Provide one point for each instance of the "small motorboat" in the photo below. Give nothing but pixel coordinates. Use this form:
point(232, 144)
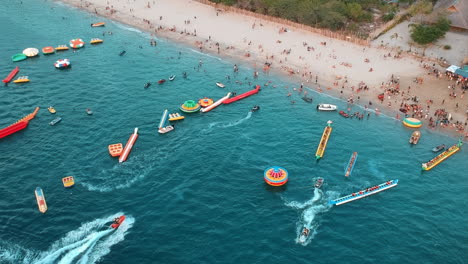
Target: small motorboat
point(55, 121)
point(48, 50)
point(414, 139)
point(96, 41)
point(122, 53)
point(255, 108)
point(61, 48)
point(117, 222)
point(304, 235)
point(220, 85)
point(172, 77)
point(68, 181)
point(344, 114)
point(326, 107)
point(98, 24)
point(148, 84)
point(438, 148)
point(51, 110)
point(318, 183)
point(40, 198)
point(164, 130)
point(22, 79)
point(18, 57)
point(88, 111)
point(162, 81)
point(307, 99)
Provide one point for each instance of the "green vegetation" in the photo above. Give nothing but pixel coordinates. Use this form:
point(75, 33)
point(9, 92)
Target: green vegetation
point(447, 47)
point(427, 33)
point(331, 14)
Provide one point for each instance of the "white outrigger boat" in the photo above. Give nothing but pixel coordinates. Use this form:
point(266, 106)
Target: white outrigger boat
point(326, 107)
point(162, 128)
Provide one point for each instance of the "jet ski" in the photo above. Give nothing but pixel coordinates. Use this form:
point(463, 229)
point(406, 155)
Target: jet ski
point(148, 84)
point(118, 221)
point(171, 78)
point(88, 111)
point(318, 183)
point(304, 235)
point(438, 148)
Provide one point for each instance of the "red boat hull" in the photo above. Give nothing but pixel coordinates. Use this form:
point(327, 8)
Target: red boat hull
point(13, 128)
point(242, 96)
point(116, 225)
point(11, 75)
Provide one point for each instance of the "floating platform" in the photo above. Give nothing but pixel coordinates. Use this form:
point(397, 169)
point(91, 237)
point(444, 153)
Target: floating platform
point(276, 176)
point(115, 149)
point(68, 181)
point(190, 106)
point(175, 117)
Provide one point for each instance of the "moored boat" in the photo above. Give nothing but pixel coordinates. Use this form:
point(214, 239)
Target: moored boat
point(96, 41)
point(323, 141)
point(220, 85)
point(55, 121)
point(438, 148)
point(98, 24)
point(11, 75)
point(326, 107)
point(118, 221)
point(18, 57)
point(365, 192)
point(163, 128)
point(414, 139)
point(351, 162)
point(22, 79)
point(48, 50)
point(318, 183)
point(51, 110)
point(175, 117)
point(40, 198)
point(442, 156)
point(68, 181)
point(343, 114)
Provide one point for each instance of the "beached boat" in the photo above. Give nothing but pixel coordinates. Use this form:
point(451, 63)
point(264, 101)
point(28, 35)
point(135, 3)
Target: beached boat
point(18, 57)
point(61, 48)
point(442, 156)
point(220, 85)
point(438, 148)
point(242, 96)
point(323, 141)
point(68, 181)
point(128, 147)
point(22, 79)
point(343, 114)
point(51, 110)
point(304, 235)
point(40, 198)
point(55, 121)
point(216, 104)
point(118, 221)
point(365, 192)
point(11, 75)
point(18, 125)
point(414, 139)
point(76, 43)
point(307, 99)
point(351, 162)
point(96, 41)
point(163, 128)
point(172, 77)
point(318, 183)
point(326, 107)
point(175, 117)
point(98, 24)
point(48, 50)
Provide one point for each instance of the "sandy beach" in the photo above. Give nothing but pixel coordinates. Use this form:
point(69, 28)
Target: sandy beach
point(352, 72)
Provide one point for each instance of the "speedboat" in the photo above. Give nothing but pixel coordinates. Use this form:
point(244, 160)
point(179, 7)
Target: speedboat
point(326, 107)
point(304, 235)
point(220, 85)
point(438, 148)
point(344, 114)
point(255, 108)
point(52, 110)
point(148, 84)
point(55, 121)
point(122, 53)
point(318, 183)
point(414, 139)
point(117, 222)
point(172, 77)
point(98, 24)
point(162, 81)
point(307, 99)
point(88, 111)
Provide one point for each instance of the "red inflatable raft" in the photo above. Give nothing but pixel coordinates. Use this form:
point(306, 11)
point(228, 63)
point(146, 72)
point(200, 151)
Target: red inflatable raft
point(11, 75)
point(118, 221)
point(18, 125)
point(242, 96)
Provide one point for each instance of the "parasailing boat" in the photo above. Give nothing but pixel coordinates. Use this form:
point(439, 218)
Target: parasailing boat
point(163, 128)
point(350, 167)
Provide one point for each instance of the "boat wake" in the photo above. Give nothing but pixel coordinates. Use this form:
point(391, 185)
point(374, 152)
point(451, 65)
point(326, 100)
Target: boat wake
point(317, 205)
point(229, 124)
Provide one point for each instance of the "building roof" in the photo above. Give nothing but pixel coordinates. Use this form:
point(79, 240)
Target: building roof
point(458, 12)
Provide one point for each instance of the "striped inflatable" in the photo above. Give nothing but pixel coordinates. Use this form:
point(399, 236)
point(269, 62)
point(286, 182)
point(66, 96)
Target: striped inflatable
point(76, 43)
point(412, 122)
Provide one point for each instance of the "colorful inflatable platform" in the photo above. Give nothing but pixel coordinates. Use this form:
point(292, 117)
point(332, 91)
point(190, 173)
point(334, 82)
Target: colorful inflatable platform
point(323, 142)
point(276, 176)
point(442, 156)
point(412, 122)
point(190, 106)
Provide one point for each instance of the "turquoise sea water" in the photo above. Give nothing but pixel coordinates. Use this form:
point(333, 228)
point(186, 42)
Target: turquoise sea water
point(197, 195)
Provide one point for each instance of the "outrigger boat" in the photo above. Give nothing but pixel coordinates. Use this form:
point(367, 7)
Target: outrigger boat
point(442, 156)
point(175, 117)
point(304, 235)
point(318, 183)
point(323, 142)
point(40, 198)
point(364, 193)
point(350, 167)
point(162, 128)
point(414, 139)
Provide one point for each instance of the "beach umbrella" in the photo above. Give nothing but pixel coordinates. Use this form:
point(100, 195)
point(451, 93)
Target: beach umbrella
point(31, 52)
